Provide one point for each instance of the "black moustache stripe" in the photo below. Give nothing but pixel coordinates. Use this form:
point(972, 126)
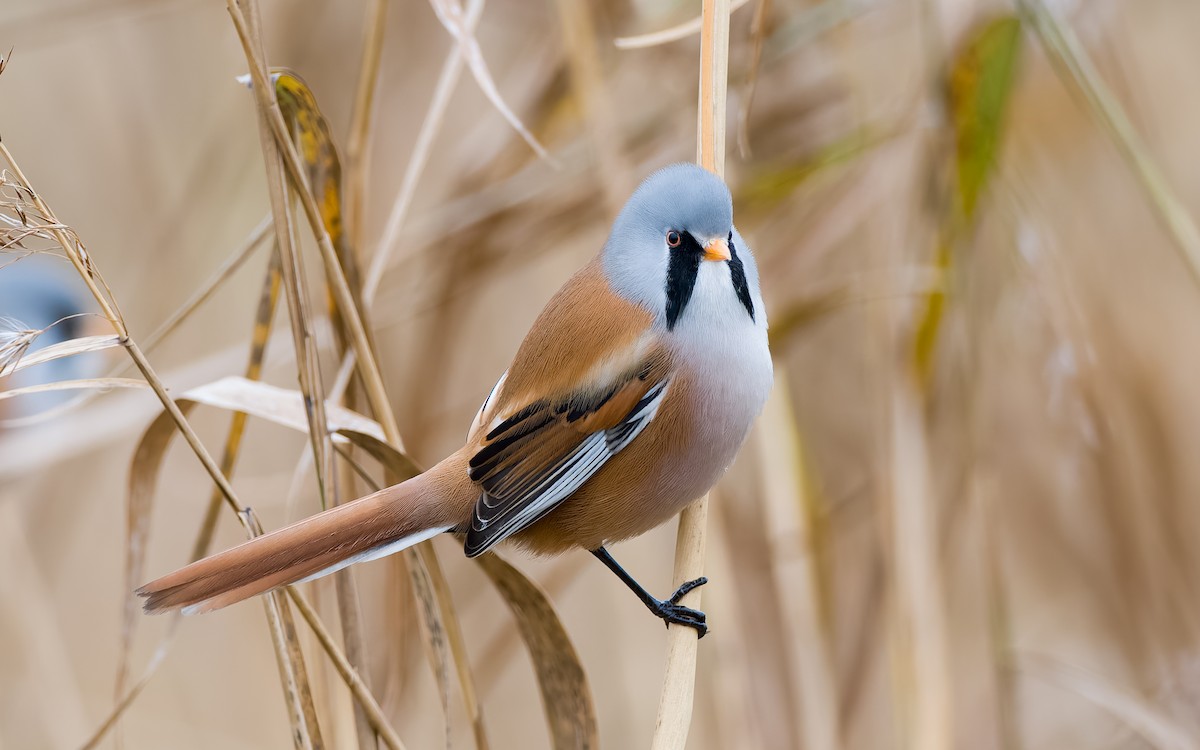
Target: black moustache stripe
point(738, 273)
point(682, 268)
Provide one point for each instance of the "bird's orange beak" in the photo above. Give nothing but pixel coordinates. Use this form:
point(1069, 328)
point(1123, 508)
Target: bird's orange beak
point(718, 249)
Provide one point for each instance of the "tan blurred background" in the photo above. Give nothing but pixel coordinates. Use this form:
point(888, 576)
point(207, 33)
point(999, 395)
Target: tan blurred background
point(1000, 555)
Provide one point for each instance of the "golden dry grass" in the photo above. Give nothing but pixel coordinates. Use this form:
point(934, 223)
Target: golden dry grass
point(964, 521)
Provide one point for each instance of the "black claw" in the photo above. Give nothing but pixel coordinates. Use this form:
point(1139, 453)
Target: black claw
point(685, 588)
point(670, 612)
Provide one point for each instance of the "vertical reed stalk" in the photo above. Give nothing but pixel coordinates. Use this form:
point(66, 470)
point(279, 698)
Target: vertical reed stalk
point(679, 682)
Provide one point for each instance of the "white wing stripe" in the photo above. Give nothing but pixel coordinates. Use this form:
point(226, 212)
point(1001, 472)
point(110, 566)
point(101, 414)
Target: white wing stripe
point(555, 483)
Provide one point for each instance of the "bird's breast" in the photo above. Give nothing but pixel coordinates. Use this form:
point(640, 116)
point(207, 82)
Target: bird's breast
point(718, 385)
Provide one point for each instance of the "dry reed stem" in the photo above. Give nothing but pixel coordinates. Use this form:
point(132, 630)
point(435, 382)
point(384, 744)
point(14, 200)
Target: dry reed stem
point(306, 732)
point(679, 681)
point(671, 34)
point(368, 366)
point(351, 677)
point(1073, 63)
point(276, 145)
point(303, 337)
point(294, 282)
point(923, 657)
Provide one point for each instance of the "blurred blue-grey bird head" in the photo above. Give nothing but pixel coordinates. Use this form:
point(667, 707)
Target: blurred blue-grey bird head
point(42, 292)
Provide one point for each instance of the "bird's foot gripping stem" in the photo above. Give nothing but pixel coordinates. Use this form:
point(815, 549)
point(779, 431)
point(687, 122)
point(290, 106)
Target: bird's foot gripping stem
point(671, 611)
point(668, 610)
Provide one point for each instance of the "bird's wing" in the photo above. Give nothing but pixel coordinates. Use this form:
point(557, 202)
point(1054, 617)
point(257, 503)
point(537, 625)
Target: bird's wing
point(535, 459)
point(587, 380)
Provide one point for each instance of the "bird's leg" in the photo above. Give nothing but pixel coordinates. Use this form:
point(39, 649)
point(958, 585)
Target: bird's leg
point(670, 610)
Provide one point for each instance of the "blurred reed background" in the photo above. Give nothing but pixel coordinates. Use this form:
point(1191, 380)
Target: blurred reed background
point(965, 519)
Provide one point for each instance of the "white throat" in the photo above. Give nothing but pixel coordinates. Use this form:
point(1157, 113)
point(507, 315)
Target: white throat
point(716, 339)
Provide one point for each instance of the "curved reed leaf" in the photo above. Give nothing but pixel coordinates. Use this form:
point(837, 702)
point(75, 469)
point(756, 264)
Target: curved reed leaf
point(139, 502)
point(570, 711)
point(566, 696)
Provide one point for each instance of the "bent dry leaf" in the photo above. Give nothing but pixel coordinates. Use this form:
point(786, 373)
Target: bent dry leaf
point(312, 135)
point(236, 394)
point(566, 695)
point(282, 406)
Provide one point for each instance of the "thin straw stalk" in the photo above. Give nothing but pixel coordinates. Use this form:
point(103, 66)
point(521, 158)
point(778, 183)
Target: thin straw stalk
point(295, 286)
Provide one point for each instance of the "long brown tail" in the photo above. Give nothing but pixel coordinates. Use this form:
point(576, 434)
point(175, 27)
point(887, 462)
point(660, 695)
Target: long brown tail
point(370, 527)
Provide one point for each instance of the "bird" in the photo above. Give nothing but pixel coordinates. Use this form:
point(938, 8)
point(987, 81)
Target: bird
point(627, 400)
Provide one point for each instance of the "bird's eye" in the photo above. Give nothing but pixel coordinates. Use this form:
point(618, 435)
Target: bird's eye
point(673, 239)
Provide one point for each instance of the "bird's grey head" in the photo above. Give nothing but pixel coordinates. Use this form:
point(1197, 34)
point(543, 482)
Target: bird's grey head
point(679, 217)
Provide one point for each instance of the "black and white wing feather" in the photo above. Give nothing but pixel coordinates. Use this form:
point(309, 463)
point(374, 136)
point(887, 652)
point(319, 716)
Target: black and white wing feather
point(535, 459)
